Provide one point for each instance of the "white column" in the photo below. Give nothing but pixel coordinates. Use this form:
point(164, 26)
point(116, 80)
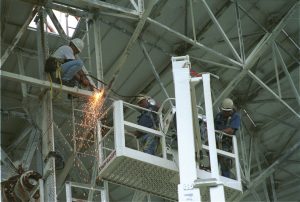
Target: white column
point(217, 192)
point(185, 135)
point(119, 131)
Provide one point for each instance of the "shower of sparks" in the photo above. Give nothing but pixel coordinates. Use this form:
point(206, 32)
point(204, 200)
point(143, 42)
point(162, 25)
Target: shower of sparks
point(92, 110)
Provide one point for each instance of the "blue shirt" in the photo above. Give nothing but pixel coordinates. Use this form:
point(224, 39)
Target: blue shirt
point(233, 121)
point(148, 119)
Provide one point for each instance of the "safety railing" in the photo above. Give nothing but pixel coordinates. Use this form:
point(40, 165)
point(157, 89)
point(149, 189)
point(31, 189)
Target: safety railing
point(123, 129)
point(80, 192)
point(228, 152)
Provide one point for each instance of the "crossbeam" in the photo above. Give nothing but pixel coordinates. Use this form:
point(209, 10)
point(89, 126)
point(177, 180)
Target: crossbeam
point(42, 83)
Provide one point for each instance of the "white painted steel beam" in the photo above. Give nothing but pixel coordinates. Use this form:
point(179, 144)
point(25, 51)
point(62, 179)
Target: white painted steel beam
point(119, 130)
point(103, 4)
point(197, 44)
point(217, 192)
point(287, 74)
point(18, 36)
point(185, 134)
point(155, 72)
point(270, 170)
point(105, 192)
point(226, 39)
point(260, 48)
point(122, 59)
point(46, 118)
point(274, 58)
point(261, 83)
point(42, 83)
point(22, 72)
point(98, 50)
point(57, 24)
point(240, 31)
point(31, 147)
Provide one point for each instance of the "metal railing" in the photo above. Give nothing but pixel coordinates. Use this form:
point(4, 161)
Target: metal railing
point(231, 153)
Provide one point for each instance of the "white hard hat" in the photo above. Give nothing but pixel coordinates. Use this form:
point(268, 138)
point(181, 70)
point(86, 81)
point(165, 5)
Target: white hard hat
point(227, 104)
point(78, 43)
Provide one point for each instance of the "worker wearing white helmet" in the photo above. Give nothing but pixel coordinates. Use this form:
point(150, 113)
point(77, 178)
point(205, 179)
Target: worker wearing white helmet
point(227, 121)
point(71, 67)
point(148, 142)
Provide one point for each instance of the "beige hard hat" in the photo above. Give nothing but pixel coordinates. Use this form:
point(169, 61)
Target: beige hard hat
point(78, 43)
point(227, 104)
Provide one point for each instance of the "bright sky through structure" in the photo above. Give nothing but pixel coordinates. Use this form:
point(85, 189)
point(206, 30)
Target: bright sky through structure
point(68, 23)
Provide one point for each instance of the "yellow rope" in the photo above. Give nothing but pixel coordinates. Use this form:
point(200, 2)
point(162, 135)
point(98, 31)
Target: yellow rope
point(58, 75)
point(50, 79)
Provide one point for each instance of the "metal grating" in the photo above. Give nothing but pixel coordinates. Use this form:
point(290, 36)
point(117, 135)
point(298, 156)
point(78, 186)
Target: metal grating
point(149, 178)
point(142, 176)
point(228, 193)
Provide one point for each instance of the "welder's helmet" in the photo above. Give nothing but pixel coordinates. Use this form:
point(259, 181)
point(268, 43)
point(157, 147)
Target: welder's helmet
point(227, 104)
point(142, 97)
point(78, 43)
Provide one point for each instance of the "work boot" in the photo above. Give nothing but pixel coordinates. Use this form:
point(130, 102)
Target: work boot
point(70, 83)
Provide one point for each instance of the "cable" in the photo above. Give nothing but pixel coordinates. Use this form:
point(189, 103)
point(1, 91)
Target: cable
point(125, 96)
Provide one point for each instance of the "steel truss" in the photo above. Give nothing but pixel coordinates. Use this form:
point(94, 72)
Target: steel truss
point(241, 64)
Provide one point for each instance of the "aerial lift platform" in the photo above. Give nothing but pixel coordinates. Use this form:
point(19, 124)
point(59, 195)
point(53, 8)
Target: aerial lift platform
point(173, 174)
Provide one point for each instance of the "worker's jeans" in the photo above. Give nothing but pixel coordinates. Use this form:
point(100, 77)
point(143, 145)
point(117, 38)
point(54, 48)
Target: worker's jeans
point(148, 143)
point(69, 69)
point(225, 162)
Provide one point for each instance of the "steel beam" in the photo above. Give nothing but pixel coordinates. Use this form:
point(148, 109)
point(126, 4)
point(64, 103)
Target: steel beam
point(98, 50)
point(240, 31)
point(22, 72)
point(195, 43)
point(214, 19)
point(290, 38)
point(31, 147)
point(185, 134)
point(18, 36)
point(260, 48)
point(216, 63)
point(287, 74)
point(154, 71)
point(57, 24)
point(103, 4)
point(21, 137)
point(7, 162)
point(46, 118)
point(270, 170)
point(260, 169)
point(42, 83)
point(253, 76)
point(122, 59)
point(276, 69)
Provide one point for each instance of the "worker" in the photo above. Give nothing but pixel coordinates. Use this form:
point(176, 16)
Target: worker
point(65, 57)
point(148, 142)
point(227, 121)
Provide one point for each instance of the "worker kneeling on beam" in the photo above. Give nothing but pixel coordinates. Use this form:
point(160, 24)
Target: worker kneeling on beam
point(148, 142)
point(227, 121)
point(67, 68)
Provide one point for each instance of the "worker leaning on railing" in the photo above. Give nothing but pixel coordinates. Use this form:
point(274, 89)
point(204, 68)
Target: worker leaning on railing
point(227, 121)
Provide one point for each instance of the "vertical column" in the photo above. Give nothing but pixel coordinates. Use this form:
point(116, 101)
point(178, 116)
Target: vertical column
point(119, 132)
point(68, 192)
point(185, 135)
point(104, 192)
point(98, 51)
point(45, 118)
point(217, 192)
